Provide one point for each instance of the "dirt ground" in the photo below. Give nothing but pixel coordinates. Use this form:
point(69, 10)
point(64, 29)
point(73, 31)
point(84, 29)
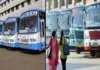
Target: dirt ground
point(21, 60)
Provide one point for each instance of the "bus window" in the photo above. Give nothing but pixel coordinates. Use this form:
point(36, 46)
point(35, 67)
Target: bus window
point(28, 25)
point(0, 28)
point(10, 27)
point(42, 29)
point(32, 22)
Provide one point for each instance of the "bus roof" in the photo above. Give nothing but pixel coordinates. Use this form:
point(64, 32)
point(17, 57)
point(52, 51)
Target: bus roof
point(35, 9)
point(79, 6)
point(93, 4)
point(12, 17)
point(67, 9)
point(54, 11)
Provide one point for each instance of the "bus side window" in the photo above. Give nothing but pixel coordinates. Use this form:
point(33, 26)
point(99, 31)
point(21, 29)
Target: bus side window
point(42, 29)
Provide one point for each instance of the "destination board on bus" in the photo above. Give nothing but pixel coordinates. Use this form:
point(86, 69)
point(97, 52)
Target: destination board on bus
point(29, 13)
point(10, 20)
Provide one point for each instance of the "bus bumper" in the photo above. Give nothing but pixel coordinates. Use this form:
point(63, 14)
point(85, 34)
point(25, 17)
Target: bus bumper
point(37, 46)
point(1, 43)
point(88, 48)
point(12, 45)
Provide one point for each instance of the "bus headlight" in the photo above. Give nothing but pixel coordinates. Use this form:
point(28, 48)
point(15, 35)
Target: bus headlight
point(18, 39)
point(11, 40)
point(89, 43)
point(73, 41)
point(33, 40)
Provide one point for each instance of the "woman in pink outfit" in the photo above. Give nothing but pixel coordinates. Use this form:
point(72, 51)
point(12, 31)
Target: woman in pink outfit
point(53, 43)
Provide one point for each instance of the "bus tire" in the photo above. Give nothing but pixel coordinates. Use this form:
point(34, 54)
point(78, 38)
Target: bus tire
point(78, 51)
point(92, 53)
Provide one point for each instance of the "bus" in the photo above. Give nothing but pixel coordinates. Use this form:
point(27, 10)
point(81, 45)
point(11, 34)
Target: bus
point(31, 33)
point(52, 21)
point(92, 29)
point(77, 28)
point(10, 32)
point(1, 32)
point(64, 22)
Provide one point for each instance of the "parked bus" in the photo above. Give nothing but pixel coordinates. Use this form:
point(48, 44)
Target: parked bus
point(77, 28)
point(64, 22)
point(92, 29)
point(31, 33)
point(52, 21)
point(1, 32)
point(10, 32)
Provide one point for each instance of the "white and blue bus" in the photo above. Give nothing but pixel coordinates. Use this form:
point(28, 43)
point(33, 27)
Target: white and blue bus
point(1, 32)
point(65, 22)
point(31, 33)
point(10, 32)
point(77, 28)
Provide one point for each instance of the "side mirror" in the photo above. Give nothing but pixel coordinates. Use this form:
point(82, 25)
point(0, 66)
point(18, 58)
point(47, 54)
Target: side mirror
point(18, 20)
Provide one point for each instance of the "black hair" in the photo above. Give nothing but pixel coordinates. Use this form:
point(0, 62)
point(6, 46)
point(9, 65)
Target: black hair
point(54, 33)
point(61, 37)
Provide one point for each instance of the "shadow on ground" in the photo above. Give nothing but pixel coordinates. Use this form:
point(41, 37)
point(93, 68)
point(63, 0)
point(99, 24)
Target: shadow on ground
point(31, 52)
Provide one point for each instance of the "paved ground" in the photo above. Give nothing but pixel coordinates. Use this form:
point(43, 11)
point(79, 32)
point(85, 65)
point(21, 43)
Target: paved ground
point(81, 61)
point(21, 60)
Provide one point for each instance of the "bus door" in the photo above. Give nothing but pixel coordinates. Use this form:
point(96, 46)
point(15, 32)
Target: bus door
point(42, 28)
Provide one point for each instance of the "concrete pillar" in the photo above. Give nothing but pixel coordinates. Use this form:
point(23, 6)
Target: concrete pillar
point(58, 3)
point(55, 3)
point(49, 4)
point(52, 4)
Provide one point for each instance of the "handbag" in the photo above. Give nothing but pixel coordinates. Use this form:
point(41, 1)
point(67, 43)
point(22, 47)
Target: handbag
point(49, 52)
point(66, 49)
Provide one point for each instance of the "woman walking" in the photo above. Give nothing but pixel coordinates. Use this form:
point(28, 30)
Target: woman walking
point(62, 56)
point(53, 43)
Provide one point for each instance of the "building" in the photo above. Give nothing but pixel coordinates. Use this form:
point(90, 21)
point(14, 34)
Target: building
point(16, 7)
point(53, 4)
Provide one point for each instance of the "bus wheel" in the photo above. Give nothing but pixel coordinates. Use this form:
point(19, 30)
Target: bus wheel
point(78, 51)
point(92, 53)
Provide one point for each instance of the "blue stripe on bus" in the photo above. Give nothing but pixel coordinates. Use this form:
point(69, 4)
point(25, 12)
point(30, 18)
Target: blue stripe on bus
point(13, 45)
point(37, 46)
point(1, 43)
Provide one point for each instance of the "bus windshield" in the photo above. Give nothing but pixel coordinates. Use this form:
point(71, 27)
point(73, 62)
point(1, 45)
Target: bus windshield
point(64, 20)
point(28, 24)
point(53, 21)
point(66, 33)
point(48, 35)
point(0, 29)
point(9, 28)
point(47, 20)
point(79, 34)
point(48, 32)
point(77, 17)
point(93, 16)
